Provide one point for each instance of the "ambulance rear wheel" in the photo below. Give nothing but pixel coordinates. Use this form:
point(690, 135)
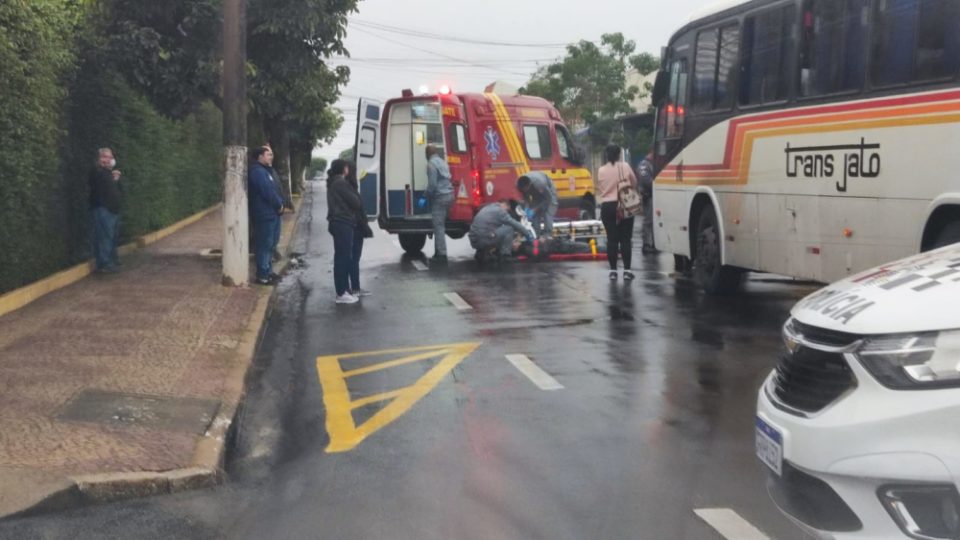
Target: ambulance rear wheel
point(709, 272)
point(413, 243)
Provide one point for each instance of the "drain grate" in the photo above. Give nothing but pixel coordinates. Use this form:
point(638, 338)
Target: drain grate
point(189, 415)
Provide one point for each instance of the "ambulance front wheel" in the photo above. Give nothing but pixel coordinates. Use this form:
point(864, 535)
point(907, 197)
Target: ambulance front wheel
point(413, 243)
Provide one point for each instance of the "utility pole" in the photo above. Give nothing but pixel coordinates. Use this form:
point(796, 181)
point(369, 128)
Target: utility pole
point(236, 258)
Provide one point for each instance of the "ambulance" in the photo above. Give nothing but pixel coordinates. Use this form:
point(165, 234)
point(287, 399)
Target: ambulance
point(489, 141)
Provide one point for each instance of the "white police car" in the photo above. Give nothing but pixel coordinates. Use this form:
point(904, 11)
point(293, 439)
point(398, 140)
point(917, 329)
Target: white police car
point(859, 425)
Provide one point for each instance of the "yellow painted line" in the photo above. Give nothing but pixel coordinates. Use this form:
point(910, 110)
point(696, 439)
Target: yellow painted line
point(376, 398)
point(392, 363)
point(344, 433)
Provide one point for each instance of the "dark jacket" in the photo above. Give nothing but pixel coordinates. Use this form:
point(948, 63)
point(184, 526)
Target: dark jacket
point(104, 190)
point(645, 178)
point(344, 202)
point(265, 200)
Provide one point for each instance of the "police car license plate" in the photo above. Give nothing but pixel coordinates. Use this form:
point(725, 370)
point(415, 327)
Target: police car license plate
point(769, 446)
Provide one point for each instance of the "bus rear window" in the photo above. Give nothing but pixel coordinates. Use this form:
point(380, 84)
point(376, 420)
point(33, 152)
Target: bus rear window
point(915, 40)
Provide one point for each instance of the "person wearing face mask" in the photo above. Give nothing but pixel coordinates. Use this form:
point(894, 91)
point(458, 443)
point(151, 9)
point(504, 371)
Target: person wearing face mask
point(105, 191)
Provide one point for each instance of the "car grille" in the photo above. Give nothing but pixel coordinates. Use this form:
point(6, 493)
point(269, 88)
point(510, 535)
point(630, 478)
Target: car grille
point(808, 380)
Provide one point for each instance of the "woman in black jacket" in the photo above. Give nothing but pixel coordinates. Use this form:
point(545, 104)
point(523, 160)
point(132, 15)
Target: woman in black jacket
point(348, 225)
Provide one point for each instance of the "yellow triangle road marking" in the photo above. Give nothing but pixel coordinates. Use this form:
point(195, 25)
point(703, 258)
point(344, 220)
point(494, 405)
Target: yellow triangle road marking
point(344, 433)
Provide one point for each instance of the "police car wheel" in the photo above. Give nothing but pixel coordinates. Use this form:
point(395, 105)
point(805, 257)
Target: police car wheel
point(412, 243)
point(708, 270)
point(949, 234)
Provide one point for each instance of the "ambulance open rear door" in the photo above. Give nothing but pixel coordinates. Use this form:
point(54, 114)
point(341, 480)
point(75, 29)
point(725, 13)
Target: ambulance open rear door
point(366, 151)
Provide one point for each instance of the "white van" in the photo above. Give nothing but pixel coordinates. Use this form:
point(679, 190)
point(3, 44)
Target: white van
point(859, 425)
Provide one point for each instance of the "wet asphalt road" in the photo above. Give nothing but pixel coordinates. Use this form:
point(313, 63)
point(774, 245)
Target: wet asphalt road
point(654, 418)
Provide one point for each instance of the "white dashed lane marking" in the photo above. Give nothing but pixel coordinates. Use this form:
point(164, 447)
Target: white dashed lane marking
point(457, 301)
point(729, 524)
point(538, 376)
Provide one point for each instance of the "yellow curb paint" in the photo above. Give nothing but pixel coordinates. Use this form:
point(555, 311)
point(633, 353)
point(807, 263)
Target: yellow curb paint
point(17, 298)
point(344, 434)
point(156, 236)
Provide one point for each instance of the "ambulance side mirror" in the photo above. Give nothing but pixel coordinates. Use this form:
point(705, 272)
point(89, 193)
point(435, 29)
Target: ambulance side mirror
point(578, 155)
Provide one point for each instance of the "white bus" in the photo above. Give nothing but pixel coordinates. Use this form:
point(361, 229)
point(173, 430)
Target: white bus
point(808, 138)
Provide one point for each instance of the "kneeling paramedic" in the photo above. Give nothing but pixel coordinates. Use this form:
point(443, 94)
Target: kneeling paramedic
point(540, 196)
point(493, 227)
point(439, 194)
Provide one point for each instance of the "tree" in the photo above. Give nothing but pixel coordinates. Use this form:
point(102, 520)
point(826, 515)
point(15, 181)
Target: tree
point(588, 85)
point(317, 166)
point(170, 51)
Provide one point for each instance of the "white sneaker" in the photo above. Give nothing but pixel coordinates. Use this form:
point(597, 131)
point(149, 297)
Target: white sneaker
point(347, 298)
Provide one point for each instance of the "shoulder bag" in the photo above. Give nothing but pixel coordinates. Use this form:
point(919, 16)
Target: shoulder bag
point(629, 202)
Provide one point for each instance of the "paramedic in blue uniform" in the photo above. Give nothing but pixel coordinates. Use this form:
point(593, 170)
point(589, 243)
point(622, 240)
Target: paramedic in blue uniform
point(439, 194)
point(541, 198)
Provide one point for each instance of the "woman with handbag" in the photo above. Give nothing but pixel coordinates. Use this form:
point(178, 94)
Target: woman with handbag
point(619, 203)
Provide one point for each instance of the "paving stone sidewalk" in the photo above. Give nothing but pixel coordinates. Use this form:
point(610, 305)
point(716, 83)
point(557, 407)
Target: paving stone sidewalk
point(125, 374)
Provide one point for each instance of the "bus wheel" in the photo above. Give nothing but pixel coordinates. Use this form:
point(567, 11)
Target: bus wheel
point(708, 270)
point(412, 243)
point(949, 234)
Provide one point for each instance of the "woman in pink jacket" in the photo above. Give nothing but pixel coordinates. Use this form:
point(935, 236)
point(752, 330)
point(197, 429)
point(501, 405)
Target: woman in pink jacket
point(619, 229)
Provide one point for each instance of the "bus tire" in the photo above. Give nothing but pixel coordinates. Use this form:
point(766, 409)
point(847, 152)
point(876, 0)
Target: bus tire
point(709, 272)
point(949, 234)
point(412, 243)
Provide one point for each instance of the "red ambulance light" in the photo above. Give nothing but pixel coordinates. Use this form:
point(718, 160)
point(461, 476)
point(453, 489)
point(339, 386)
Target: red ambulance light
point(476, 176)
point(445, 90)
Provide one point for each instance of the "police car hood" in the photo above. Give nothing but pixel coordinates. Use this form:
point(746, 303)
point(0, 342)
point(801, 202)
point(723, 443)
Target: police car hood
point(919, 293)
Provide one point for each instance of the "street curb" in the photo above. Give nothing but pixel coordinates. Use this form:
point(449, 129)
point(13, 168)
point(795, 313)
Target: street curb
point(206, 469)
point(18, 298)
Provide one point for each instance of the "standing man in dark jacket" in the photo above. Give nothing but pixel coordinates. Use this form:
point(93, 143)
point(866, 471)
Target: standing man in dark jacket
point(104, 184)
point(266, 206)
point(645, 183)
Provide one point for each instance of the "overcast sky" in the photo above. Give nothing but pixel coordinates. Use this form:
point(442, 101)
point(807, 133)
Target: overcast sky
point(388, 52)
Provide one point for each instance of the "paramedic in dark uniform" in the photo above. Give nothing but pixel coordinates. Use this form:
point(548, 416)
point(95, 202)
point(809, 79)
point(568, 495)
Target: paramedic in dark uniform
point(493, 227)
point(645, 183)
point(540, 195)
point(439, 194)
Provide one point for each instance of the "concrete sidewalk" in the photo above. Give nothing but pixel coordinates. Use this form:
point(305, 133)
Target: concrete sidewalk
point(125, 385)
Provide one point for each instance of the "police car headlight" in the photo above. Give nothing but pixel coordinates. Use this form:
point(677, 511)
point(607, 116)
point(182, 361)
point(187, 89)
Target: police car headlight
point(913, 361)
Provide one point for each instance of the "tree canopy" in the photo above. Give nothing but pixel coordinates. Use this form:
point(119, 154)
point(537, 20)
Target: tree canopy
point(589, 84)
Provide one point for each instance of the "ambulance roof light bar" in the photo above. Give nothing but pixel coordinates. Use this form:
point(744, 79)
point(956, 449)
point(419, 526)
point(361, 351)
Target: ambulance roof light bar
point(445, 90)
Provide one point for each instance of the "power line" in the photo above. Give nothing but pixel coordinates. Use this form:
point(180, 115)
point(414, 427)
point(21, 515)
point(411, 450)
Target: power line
point(373, 34)
point(444, 37)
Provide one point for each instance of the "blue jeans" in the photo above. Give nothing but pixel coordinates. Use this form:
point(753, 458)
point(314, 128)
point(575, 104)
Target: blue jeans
point(265, 242)
point(347, 249)
point(543, 223)
point(105, 225)
point(439, 208)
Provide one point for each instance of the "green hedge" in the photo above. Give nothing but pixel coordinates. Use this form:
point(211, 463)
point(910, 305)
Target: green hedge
point(54, 114)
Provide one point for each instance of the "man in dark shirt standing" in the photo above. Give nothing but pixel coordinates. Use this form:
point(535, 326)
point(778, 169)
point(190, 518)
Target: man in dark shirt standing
point(104, 183)
point(266, 207)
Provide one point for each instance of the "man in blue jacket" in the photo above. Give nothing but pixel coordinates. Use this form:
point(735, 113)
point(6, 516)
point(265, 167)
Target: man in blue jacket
point(266, 206)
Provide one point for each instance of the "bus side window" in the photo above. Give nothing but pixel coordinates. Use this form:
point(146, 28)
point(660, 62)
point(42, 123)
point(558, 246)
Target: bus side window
point(718, 59)
point(915, 40)
point(768, 48)
point(834, 44)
